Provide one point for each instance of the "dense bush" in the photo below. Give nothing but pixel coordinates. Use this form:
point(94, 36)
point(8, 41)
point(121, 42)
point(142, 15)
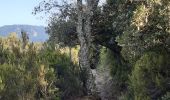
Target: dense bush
point(16, 84)
point(69, 74)
point(150, 76)
point(34, 71)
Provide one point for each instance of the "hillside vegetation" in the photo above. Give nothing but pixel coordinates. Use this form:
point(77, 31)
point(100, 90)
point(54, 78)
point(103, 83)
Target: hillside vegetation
point(116, 51)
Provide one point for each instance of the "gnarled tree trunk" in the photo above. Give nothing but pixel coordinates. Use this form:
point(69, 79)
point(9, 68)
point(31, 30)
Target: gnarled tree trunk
point(85, 13)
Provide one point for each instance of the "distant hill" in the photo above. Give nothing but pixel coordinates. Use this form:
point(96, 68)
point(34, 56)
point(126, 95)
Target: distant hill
point(35, 33)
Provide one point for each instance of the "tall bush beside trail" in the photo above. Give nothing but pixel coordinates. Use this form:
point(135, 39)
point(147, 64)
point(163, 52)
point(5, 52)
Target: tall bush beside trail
point(149, 79)
point(23, 75)
point(119, 70)
point(53, 57)
point(68, 74)
point(16, 84)
point(35, 72)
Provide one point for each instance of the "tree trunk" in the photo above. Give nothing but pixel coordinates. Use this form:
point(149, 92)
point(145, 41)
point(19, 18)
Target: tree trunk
point(84, 34)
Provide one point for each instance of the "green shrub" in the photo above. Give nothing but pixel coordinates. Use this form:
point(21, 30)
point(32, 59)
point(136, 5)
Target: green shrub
point(23, 73)
point(166, 96)
point(69, 79)
point(15, 83)
point(149, 76)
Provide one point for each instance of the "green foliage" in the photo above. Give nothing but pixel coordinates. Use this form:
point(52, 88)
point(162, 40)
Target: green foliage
point(148, 28)
point(150, 75)
point(70, 83)
point(166, 96)
point(23, 73)
point(62, 32)
point(145, 46)
point(16, 84)
point(54, 57)
point(118, 67)
point(69, 75)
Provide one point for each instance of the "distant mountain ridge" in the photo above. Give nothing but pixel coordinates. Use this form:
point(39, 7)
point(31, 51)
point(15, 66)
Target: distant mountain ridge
point(35, 33)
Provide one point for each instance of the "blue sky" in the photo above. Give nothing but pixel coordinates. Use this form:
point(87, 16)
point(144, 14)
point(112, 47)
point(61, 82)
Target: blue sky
point(19, 12)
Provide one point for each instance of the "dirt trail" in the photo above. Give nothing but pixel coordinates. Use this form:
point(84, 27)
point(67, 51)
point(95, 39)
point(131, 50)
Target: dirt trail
point(103, 83)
